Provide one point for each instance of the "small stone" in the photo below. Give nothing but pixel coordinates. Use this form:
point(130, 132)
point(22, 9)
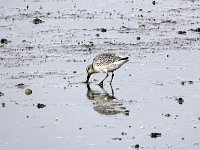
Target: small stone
point(138, 38)
point(37, 21)
point(196, 30)
point(167, 115)
point(123, 133)
point(4, 41)
point(40, 105)
point(199, 118)
point(28, 91)
point(182, 82)
point(182, 32)
point(56, 119)
point(1, 94)
point(103, 30)
point(155, 135)
point(74, 72)
point(154, 2)
point(3, 104)
point(180, 100)
point(21, 85)
point(137, 146)
point(190, 82)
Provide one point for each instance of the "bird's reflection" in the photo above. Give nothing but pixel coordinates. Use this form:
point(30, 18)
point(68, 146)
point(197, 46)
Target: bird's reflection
point(104, 102)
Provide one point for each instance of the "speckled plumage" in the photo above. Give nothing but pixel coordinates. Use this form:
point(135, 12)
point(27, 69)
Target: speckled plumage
point(106, 62)
point(105, 59)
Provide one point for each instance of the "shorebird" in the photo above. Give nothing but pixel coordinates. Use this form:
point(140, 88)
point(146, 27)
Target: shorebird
point(105, 63)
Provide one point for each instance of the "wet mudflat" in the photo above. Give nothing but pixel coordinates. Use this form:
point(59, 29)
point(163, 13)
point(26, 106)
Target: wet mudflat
point(153, 102)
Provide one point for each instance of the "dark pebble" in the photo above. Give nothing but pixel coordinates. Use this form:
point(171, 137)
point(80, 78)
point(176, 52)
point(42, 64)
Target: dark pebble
point(180, 100)
point(3, 104)
point(21, 85)
point(138, 38)
point(4, 41)
point(155, 135)
point(126, 112)
point(103, 30)
point(196, 30)
point(137, 146)
point(40, 105)
point(1, 94)
point(182, 32)
point(28, 91)
point(183, 83)
point(190, 82)
point(123, 133)
point(167, 115)
point(154, 2)
point(37, 21)
point(198, 118)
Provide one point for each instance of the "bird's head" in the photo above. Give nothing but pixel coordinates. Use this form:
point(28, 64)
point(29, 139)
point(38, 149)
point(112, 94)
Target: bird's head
point(90, 71)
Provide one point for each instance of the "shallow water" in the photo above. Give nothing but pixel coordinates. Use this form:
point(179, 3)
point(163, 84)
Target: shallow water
point(156, 91)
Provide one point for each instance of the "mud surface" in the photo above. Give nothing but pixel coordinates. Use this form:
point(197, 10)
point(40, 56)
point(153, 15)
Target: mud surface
point(153, 102)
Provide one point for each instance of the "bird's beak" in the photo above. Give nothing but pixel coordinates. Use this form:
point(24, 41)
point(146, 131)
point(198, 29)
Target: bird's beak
point(88, 77)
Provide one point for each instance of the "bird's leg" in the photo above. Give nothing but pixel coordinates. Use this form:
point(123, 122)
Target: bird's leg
point(112, 78)
point(112, 90)
point(101, 83)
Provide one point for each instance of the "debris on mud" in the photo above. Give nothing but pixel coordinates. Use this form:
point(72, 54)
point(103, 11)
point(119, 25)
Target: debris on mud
point(189, 82)
point(182, 32)
point(123, 133)
point(1, 94)
point(136, 146)
point(117, 139)
point(28, 91)
point(4, 41)
point(37, 21)
point(3, 104)
point(138, 38)
point(180, 100)
point(196, 30)
point(167, 115)
point(40, 105)
point(155, 135)
point(103, 30)
point(21, 85)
